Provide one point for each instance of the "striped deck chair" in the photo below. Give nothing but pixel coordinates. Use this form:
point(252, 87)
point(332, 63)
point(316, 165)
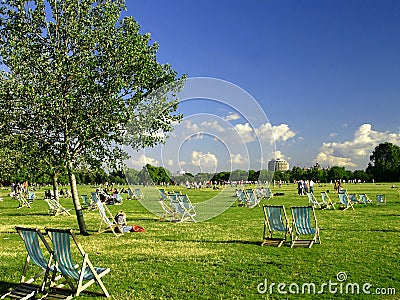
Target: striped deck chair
point(242, 198)
point(22, 201)
point(106, 218)
point(304, 224)
point(268, 192)
point(275, 221)
point(31, 196)
point(380, 199)
point(364, 199)
point(163, 195)
point(168, 209)
point(188, 207)
point(327, 201)
point(139, 194)
point(32, 238)
point(75, 275)
point(56, 209)
point(259, 193)
point(131, 195)
point(88, 204)
point(313, 201)
point(253, 201)
point(180, 213)
point(353, 198)
point(345, 201)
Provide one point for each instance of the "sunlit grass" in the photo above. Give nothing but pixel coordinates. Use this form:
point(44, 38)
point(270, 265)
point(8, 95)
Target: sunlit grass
point(222, 257)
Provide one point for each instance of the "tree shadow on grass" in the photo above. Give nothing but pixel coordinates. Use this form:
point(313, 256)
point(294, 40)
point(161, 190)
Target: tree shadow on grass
point(5, 287)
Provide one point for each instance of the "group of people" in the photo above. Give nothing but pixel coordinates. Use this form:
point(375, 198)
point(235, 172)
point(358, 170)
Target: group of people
point(305, 186)
point(109, 197)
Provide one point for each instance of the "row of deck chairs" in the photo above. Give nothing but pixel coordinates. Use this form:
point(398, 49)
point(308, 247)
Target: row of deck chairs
point(346, 200)
point(303, 231)
point(58, 262)
point(136, 194)
point(176, 207)
point(252, 197)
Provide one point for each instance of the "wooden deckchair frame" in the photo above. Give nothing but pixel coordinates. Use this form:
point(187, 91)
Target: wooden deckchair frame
point(302, 217)
point(275, 220)
point(63, 255)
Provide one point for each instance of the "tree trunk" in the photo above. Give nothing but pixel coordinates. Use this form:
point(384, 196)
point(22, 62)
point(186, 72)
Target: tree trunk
point(77, 203)
point(55, 186)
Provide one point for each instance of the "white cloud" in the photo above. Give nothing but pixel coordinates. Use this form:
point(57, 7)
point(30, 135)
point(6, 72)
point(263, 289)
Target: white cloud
point(191, 126)
point(246, 132)
point(213, 124)
point(232, 116)
point(355, 153)
point(207, 162)
point(170, 162)
point(282, 132)
point(279, 154)
point(142, 160)
point(238, 159)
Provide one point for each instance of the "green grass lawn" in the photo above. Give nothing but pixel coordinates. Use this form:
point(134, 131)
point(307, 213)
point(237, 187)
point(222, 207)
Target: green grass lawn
point(222, 258)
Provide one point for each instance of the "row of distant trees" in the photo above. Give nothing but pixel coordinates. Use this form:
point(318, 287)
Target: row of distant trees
point(384, 166)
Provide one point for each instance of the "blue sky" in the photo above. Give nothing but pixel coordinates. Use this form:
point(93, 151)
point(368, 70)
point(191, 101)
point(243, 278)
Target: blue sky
point(325, 73)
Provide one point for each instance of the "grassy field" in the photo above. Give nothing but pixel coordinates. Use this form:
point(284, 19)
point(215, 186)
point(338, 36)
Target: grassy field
point(222, 258)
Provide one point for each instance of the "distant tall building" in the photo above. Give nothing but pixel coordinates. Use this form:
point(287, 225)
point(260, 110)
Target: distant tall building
point(278, 164)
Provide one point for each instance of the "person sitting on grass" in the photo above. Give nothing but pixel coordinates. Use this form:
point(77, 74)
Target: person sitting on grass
point(120, 219)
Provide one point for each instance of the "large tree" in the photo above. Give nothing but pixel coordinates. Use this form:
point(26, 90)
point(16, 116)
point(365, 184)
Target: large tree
point(80, 81)
point(385, 163)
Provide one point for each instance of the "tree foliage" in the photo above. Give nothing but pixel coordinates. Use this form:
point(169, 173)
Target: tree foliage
point(385, 162)
point(80, 82)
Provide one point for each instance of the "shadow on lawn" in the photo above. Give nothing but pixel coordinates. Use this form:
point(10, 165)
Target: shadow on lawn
point(257, 243)
point(5, 287)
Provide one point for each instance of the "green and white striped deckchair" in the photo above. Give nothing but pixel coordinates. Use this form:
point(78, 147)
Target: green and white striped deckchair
point(314, 202)
point(79, 277)
point(56, 209)
point(326, 200)
point(364, 199)
point(380, 199)
point(188, 208)
point(253, 201)
point(32, 238)
point(139, 194)
point(304, 224)
point(106, 218)
point(353, 198)
point(275, 221)
point(22, 201)
point(345, 201)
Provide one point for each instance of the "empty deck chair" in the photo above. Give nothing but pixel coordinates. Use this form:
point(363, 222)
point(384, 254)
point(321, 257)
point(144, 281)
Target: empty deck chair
point(168, 212)
point(163, 195)
point(380, 199)
point(56, 209)
point(31, 196)
point(259, 193)
point(106, 218)
point(88, 204)
point(275, 221)
point(75, 275)
point(139, 194)
point(345, 201)
point(268, 192)
point(364, 199)
point(327, 201)
point(188, 207)
point(242, 198)
point(304, 224)
point(131, 195)
point(23, 202)
point(253, 201)
point(353, 198)
point(32, 238)
point(313, 201)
